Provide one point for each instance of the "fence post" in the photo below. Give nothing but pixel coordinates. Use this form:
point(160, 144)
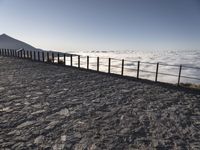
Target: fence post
point(58, 57)
point(109, 62)
point(97, 63)
point(8, 52)
point(71, 60)
point(21, 54)
point(122, 72)
point(43, 56)
point(179, 76)
point(48, 57)
point(24, 54)
point(34, 56)
point(31, 55)
point(88, 62)
point(78, 61)
point(64, 59)
point(138, 70)
point(53, 57)
point(38, 56)
point(156, 79)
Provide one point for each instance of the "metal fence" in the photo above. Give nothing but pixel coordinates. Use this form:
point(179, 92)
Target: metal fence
point(95, 64)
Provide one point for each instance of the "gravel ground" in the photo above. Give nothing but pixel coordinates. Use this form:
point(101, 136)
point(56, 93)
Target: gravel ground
point(44, 106)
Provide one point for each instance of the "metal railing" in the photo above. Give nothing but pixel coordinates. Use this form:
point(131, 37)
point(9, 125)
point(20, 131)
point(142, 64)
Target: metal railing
point(77, 61)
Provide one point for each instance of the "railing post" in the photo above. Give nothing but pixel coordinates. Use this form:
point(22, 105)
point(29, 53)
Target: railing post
point(38, 56)
point(109, 62)
point(34, 56)
point(48, 57)
point(31, 55)
point(179, 76)
point(43, 56)
point(58, 58)
point(24, 54)
point(88, 62)
point(122, 73)
point(156, 79)
point(53, 57)
point(8, 52)
point(21, 54)
point(97, 63)
point(71, 60)
point(0, 51)
point(138, 70)
point(27, 54)
point(79, 61)
point(64, 59)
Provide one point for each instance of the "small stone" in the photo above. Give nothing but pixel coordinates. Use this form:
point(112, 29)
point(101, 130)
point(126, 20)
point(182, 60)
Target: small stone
point(51, 125)
point(64, 112)
point(38, 112)
point(2, 89)
point(63, 138)
point(25, 124)
point(39, 139)
point(124, 131)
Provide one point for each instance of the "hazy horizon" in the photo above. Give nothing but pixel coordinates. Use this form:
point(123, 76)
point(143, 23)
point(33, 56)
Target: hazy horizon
point(103, 25)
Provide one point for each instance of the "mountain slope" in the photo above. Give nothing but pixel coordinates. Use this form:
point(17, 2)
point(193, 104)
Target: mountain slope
point(8, 42)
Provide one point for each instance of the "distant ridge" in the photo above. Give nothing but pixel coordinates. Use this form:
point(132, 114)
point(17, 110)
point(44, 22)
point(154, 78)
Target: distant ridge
point(8, 42)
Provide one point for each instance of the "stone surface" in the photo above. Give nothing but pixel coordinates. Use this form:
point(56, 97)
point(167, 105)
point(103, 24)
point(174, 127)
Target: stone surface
point(44, 106)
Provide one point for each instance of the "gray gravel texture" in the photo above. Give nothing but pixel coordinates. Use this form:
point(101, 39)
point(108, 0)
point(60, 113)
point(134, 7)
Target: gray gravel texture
point(45, 106)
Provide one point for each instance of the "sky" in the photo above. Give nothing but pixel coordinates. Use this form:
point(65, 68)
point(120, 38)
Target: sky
point(103, 24)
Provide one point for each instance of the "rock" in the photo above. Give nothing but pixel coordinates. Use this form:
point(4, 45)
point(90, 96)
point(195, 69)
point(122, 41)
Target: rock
point(64, 112)
point(25, 124)
point(124, 131)
point(37, 112)
point(39, 140)
point(63, 138)
point(2, 89)
point(51, 125)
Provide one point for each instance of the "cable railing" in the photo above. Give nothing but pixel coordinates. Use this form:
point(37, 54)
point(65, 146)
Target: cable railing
point(109, 65)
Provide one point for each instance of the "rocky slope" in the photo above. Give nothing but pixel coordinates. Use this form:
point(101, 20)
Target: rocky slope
point(44, 106)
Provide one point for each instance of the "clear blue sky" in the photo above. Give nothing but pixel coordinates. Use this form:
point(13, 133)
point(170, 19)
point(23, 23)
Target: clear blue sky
point(103, 24)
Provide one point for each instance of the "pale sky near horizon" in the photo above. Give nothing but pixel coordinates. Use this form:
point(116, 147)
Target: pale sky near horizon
point(103, 24)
